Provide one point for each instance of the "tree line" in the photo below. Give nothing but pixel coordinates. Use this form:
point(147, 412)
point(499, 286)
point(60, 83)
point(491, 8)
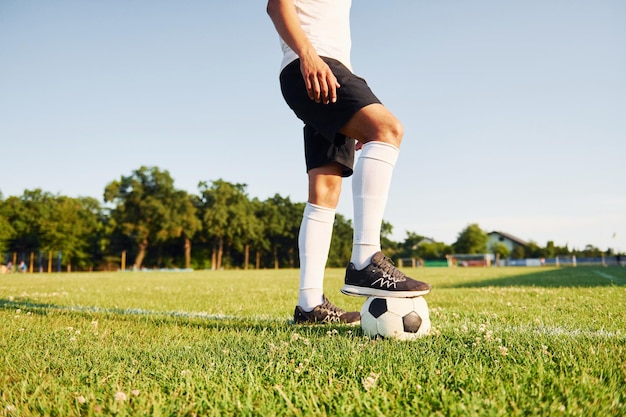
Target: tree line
point(146, 220)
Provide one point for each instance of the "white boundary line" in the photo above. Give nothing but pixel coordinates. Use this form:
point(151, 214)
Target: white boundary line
point(537, 330)
point(608, 276)
point(141, 312)
point(560, 331)
point(552, 331)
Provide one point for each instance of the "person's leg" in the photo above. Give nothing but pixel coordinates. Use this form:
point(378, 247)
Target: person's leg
point(370, 273)
point(381, 134)
point(316, 232)
point(314, 243)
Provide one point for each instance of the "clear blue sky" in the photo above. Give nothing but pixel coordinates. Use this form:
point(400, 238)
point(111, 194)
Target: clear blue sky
point(514, 111)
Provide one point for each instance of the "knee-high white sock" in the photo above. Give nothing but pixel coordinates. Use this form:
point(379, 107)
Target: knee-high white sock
point(370, 188)
point(314, 239)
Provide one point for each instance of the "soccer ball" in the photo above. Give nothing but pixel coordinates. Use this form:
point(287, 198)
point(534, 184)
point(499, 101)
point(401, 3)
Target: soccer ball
point(396, 318)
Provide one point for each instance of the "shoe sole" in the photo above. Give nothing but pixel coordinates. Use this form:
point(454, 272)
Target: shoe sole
point(373, 292)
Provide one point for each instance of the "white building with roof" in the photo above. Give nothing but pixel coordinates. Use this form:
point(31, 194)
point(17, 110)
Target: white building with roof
point(508, 240)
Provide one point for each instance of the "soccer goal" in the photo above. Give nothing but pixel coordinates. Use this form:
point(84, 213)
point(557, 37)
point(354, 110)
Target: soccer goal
point(561, 260)
point(474, 259)
point(408, 262)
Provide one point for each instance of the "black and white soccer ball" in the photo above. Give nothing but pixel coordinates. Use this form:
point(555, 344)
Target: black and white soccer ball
point(395, 318)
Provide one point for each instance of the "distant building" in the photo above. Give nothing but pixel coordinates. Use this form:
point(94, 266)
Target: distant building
point(510, 241)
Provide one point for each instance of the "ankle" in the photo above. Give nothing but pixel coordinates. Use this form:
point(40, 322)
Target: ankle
point(362, 255)
point(309, 298)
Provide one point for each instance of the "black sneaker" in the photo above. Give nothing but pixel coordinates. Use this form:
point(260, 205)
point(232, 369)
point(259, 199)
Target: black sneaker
point(382, 279)
point(326, 313)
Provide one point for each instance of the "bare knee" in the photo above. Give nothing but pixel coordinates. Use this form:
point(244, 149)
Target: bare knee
point(388, 131)
point(391, 132)
point(375, 123)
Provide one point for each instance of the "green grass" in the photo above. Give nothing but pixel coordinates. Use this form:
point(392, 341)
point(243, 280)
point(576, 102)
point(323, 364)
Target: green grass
point(506, 341)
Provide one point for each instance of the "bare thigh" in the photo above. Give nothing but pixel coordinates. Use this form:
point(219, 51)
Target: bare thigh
point(374, 123)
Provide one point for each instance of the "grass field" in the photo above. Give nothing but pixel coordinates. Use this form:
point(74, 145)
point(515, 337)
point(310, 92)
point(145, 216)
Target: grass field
point(505, 341)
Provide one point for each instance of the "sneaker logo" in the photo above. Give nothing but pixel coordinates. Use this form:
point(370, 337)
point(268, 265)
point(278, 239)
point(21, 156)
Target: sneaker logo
point(385, 281)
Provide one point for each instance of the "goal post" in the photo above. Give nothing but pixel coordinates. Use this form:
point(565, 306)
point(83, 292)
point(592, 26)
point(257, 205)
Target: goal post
point(561, 260)
point(473, 259)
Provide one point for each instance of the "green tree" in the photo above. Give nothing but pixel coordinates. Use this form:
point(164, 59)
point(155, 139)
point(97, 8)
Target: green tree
point(500, 250)
point(341, 243)
point(518, 252)
point(533, 250)
point(288, 242)
point(6, 234)
point(6, 230)
point(259, 239)
point(409, 247)
point(69, 226)
point(148, 209)
point(471, 240)
point(252, 230)
point(26, 214)
point(391, 248)
point(590, 251)
point(431, 251)
point(225, 213)
point(420, 247)
point(282, 220)
point(43, 222)
point(185, 221)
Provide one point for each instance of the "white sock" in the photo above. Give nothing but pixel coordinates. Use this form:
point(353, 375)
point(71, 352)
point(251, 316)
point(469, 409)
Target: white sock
point(314, 239)
point(370, 188)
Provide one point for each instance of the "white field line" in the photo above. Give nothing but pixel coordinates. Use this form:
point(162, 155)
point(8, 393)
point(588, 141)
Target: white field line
point(553, 331)
point(608, 276)
point(532, 330)
point(142, 312)
point(560, 331)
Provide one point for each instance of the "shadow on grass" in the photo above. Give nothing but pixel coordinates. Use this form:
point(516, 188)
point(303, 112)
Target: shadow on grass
point(553, 278)
point(179, 318)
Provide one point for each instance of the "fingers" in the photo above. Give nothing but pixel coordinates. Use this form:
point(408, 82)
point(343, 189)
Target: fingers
point(328, 89)
point(321, 83)
point(330, 95)
point(323, 90)
point(314, 88)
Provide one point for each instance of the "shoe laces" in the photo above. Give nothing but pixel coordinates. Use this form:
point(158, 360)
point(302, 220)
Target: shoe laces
point(389, 268)
point(330, 308)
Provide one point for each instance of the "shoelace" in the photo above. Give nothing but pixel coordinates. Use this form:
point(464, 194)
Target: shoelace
point(331, 308)
point(388, 267)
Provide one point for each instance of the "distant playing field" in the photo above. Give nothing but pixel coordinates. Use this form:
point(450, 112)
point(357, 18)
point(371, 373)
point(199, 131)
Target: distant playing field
point(506, 341)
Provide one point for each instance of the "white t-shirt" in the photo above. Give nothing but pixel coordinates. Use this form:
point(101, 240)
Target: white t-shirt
point(327, 25)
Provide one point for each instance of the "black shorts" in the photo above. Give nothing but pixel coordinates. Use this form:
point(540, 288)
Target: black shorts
point(323, 143)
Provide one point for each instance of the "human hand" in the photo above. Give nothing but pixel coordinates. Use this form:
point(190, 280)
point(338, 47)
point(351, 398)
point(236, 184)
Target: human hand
point(321, 83)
